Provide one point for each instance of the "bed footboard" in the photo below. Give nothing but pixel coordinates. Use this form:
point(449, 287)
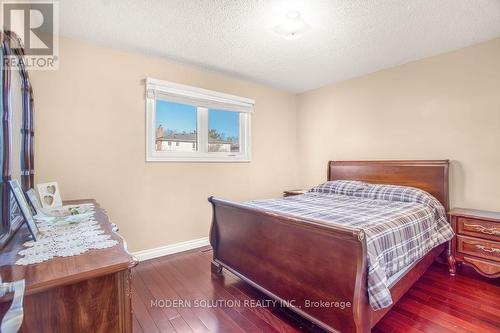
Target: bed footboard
point(317, 269)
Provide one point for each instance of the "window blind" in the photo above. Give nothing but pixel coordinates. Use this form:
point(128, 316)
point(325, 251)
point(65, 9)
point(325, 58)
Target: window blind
point(174, 92)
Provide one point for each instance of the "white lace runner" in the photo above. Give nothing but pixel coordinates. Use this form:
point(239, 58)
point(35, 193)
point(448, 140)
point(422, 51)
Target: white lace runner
point(64, 237)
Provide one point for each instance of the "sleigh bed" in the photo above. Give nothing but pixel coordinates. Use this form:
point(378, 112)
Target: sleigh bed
point(319, 269)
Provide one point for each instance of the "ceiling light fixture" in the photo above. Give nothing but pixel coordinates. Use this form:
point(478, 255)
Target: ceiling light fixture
point(293, 27)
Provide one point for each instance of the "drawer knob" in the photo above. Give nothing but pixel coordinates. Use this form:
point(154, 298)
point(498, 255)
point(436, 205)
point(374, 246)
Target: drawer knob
point(483, 230)
point(488, 249)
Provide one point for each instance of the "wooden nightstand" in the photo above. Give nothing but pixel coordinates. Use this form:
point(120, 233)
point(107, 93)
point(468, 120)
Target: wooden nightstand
point(477, 241)
point(290, 193)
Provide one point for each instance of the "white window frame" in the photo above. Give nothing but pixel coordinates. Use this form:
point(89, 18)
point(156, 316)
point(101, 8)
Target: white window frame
point(203, 99)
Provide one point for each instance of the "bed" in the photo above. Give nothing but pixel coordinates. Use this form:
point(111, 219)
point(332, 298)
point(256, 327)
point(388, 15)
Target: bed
point(322, 270)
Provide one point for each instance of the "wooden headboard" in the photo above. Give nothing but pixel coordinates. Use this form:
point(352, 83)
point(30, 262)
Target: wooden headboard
point(430, 175)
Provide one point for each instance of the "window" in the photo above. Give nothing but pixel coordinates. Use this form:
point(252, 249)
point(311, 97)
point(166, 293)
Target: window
point(191, 124)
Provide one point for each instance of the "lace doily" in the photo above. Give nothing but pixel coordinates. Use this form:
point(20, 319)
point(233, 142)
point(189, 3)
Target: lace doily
point(65, 236)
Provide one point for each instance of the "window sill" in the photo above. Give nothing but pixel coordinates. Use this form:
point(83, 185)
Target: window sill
point(198, 161)
point(201, 159)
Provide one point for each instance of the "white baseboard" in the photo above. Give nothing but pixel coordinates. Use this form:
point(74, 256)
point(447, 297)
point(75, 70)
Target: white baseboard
point(171, 249)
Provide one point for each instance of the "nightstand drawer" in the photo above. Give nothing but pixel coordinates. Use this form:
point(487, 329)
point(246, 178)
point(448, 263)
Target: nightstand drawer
point(485, 266)
point(478, 228)
point(480, 248)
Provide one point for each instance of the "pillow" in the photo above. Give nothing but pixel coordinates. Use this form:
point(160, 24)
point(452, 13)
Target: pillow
point(401, 193)
point(381, 192)
point(346, 187)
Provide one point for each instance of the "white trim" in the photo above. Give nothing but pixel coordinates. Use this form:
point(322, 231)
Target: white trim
point(154, 86)
point(199, 159)
point(170, 249)
point(202, 134)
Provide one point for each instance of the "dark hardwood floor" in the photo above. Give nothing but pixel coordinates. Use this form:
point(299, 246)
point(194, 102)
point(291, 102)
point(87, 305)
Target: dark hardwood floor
point(436, 303)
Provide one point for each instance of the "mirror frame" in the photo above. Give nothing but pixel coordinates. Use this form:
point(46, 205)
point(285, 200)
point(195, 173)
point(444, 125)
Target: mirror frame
point(12, 47)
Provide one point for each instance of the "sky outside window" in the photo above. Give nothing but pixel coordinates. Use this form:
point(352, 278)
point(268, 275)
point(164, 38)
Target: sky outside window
point(226, 123)
point(176, 117)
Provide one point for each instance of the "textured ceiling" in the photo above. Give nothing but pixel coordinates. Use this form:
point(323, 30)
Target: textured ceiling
point(348, 38)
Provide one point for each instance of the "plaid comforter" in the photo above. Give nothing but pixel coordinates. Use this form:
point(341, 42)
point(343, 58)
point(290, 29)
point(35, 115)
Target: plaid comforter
point(402, 224)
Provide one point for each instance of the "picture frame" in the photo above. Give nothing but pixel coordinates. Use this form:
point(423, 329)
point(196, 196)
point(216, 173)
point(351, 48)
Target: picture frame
point(35, 203)
point(25, 209)
point(49, 194)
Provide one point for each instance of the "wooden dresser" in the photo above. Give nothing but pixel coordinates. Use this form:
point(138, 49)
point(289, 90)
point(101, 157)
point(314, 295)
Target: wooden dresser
point(90, 292)
point(477, 241)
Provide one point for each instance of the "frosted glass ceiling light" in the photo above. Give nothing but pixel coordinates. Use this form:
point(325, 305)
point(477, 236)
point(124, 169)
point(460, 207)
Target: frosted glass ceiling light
point(293, 27)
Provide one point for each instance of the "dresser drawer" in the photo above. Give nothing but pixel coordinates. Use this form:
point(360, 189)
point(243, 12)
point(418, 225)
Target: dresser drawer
point(478, 228)
point(486, 249)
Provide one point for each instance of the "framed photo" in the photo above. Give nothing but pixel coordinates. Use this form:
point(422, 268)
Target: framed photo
point(49, 194)
point(25, 209)
point(36, 205)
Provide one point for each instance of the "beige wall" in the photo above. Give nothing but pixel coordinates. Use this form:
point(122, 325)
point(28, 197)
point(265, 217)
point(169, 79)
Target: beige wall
point(90, 123)
point(442, 107)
